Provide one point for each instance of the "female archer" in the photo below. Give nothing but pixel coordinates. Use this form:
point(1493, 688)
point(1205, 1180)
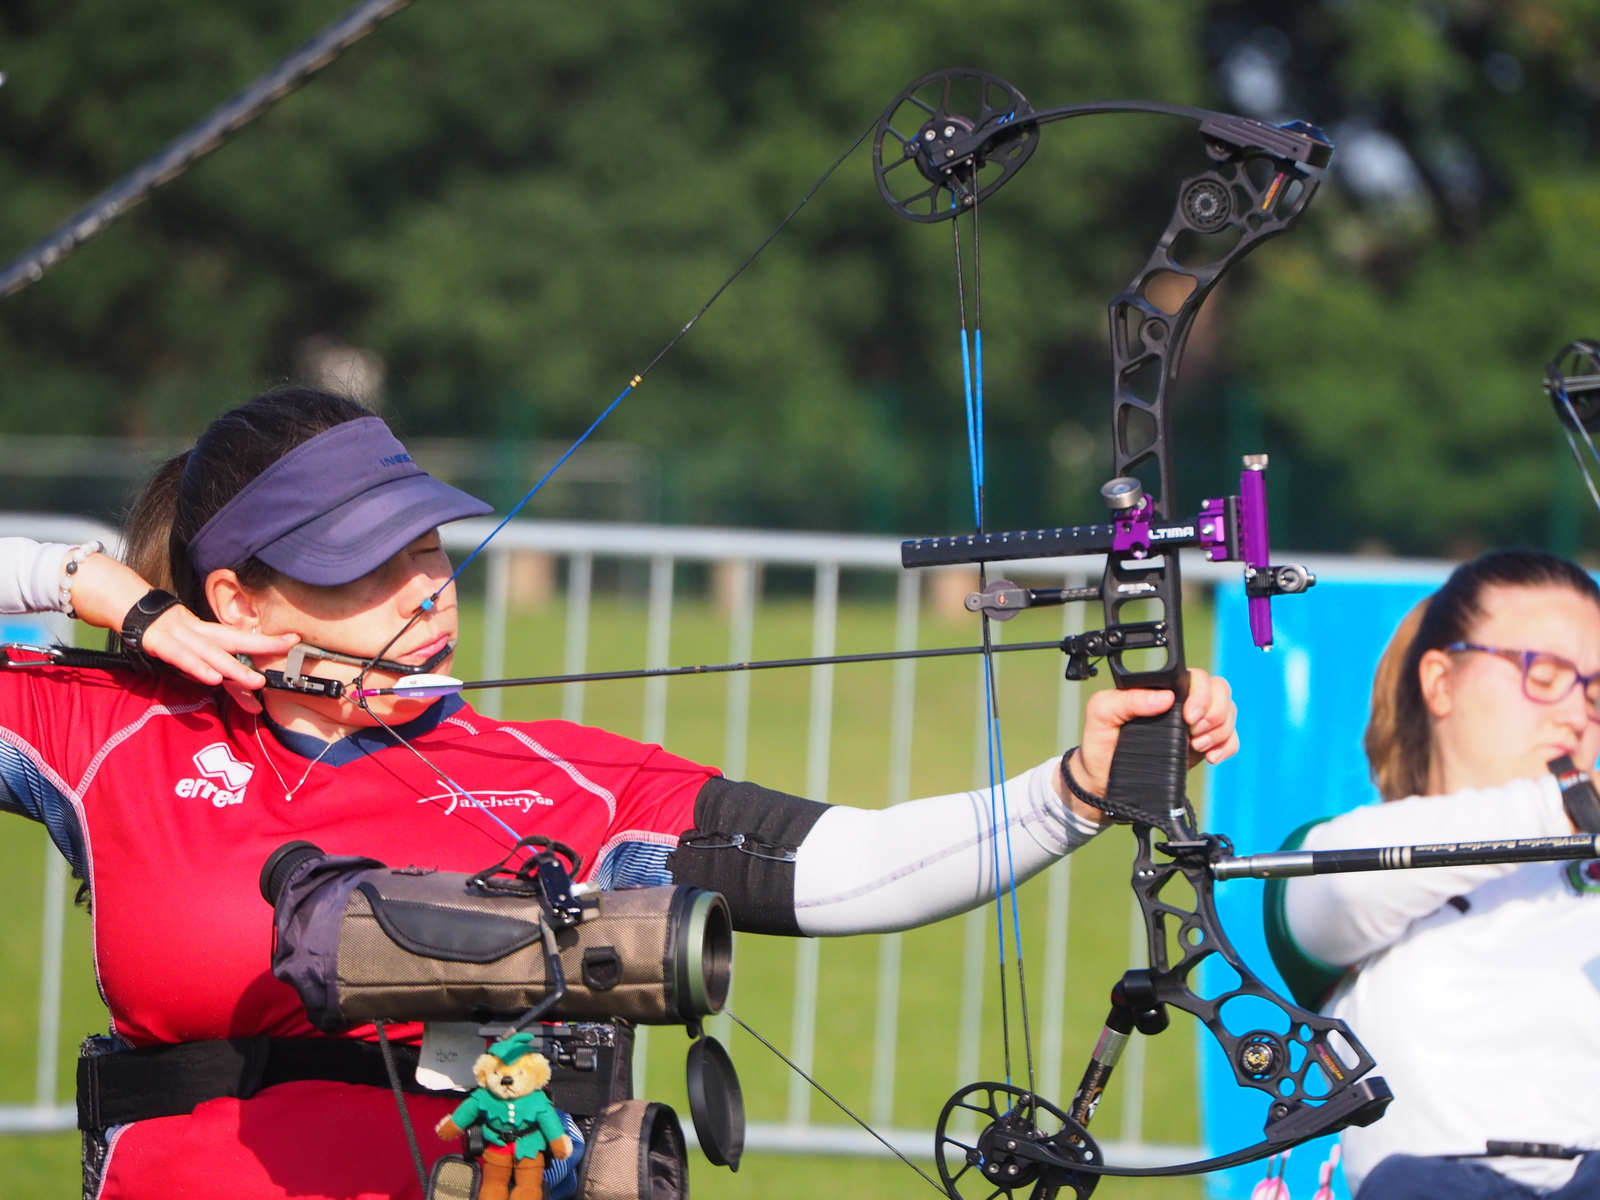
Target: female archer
point(298, 522)
point(1477, 988)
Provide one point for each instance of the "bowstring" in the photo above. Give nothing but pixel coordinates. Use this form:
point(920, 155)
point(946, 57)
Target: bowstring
point(466, 796)
point(999, 807)
point(428, 604)
point(670, 345)
point(997, 764)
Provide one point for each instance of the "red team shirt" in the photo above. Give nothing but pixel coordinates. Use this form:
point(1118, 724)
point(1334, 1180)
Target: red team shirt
point(179, 797)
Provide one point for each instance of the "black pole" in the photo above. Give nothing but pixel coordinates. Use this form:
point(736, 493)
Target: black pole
point(175, 158)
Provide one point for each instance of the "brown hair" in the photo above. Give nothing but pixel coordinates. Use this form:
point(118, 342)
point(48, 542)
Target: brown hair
point(1399, 739)
point(188, 490)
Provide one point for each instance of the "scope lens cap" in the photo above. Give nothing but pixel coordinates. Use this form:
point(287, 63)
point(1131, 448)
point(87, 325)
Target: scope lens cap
point(716, 1102)
point(281, 864)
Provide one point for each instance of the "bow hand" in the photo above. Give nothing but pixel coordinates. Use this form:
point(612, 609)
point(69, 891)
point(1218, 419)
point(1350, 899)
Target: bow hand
point(1209, 711)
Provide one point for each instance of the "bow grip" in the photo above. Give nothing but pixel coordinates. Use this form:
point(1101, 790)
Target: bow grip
point(1146, 783)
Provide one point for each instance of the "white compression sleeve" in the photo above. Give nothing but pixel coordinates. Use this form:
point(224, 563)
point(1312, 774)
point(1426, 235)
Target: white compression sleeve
point(30, 575)
point(878, 870)
point(1341, 919)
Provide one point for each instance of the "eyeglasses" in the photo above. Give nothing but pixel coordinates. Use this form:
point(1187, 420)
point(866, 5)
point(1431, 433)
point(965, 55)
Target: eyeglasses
point(1546, 678)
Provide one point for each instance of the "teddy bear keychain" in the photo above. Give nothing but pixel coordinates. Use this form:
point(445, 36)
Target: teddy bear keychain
point(518, 1120)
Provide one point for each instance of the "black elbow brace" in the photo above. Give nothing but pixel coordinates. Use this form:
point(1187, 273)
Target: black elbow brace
point(743, 845)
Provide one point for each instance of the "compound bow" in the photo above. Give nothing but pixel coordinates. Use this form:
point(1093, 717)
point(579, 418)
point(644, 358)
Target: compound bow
point(935, 158)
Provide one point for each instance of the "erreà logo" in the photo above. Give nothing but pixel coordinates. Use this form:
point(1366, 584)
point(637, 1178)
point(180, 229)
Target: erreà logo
point(224, 777)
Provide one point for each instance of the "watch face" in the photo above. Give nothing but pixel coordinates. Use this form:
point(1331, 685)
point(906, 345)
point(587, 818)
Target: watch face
point(155, 601)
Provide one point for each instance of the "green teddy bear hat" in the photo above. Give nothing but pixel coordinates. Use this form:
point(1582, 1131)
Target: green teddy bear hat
point(508, 1050)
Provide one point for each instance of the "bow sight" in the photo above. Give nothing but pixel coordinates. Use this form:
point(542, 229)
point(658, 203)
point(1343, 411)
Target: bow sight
point(948, 142)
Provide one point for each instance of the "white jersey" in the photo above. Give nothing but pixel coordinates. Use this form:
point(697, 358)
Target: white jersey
point(1477, 989)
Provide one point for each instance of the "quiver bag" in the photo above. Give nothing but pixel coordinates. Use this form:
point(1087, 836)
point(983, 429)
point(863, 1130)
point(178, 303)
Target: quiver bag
point(360, 942)
point(635, 1151)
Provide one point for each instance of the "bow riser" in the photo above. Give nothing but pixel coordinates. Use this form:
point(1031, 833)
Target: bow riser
point(1277, 1062)
point(1151, 320)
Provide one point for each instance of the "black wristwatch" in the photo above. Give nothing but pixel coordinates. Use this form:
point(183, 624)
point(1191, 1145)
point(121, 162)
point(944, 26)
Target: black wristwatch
point(142, 615)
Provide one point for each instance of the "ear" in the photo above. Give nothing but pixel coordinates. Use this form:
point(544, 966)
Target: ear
point(1437, 679)
point(231, 601)
point(486, 1066)
point(538, 1071)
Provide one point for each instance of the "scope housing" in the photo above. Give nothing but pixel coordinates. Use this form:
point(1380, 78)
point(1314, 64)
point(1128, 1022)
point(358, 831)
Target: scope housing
point(361, 941)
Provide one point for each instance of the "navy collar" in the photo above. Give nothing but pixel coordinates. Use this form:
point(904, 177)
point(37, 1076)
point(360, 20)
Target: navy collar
point(363, 742)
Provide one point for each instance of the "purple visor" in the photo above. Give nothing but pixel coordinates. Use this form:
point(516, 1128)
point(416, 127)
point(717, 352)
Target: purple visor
point(331, 509)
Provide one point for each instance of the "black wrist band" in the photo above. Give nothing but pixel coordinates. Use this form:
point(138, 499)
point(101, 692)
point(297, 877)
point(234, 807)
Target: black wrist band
point(142, 615)
point(1074, 786)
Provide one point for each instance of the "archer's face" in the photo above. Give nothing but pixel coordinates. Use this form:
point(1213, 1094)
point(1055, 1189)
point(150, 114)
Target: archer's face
point(1486, 731)
point(360, 618)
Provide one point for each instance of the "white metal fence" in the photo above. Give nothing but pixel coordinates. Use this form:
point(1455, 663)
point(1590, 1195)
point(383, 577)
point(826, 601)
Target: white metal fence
point(741, 554)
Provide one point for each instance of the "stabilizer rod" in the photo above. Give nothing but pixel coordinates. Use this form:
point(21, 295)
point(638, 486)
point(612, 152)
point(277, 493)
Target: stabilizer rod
point(1287, 863)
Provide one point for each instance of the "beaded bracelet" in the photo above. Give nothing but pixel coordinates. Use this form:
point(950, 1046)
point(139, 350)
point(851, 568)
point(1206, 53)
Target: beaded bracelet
point(75, 560)
point(1076, 788)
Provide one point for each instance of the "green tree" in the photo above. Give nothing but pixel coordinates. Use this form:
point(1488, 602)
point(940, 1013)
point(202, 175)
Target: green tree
point(515, 204)
point(1399, 339)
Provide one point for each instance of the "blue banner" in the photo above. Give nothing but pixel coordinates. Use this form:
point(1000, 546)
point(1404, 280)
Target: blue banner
point(1302, 713)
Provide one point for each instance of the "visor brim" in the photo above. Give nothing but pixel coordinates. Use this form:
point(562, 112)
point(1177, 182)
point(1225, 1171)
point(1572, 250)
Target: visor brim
point(366, 531)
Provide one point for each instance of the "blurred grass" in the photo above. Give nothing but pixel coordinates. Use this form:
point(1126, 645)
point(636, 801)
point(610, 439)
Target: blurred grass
point(944, 753)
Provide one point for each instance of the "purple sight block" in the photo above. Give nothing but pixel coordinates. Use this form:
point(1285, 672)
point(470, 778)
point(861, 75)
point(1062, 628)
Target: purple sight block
point(1211, 528)
point(1257, 554)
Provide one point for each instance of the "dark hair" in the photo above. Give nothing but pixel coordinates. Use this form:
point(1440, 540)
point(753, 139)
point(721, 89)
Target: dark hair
point(1399, 735)
point(188, 490)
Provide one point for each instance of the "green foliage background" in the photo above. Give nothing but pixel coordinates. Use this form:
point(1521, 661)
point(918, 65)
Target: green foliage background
point(516, 203)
